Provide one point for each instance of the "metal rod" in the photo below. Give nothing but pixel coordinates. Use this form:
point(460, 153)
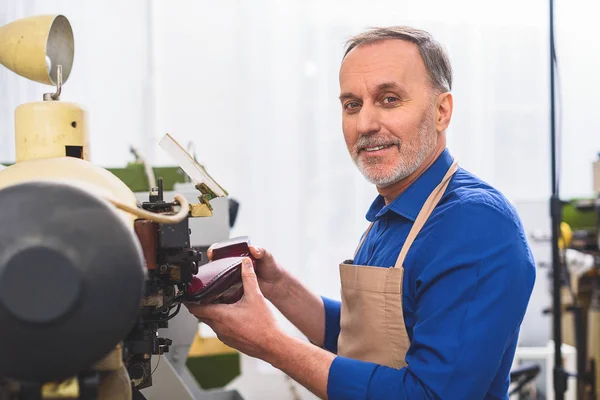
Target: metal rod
point(560, 379)
point(59, 82)
point(160, 189)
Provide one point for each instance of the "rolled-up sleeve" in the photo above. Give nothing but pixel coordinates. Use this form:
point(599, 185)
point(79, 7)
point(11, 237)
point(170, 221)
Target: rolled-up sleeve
point(332, 324)
point(470, 297)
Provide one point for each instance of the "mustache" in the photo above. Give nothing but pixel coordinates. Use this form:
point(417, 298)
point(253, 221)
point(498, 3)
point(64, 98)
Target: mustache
point(365, 141)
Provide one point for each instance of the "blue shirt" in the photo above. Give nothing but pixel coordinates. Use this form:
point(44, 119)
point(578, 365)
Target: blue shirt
point(468, 278)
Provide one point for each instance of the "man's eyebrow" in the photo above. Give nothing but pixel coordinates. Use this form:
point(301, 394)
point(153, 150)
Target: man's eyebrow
point(347, 95)
point(391, 86)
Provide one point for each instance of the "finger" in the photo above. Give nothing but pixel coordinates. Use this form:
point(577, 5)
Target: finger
point(257, 252)
point(209, 253)
point(249, 279)
point(206, 312)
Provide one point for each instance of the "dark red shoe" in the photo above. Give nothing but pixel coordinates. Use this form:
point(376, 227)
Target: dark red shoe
point(220, 281)
point(236, 247)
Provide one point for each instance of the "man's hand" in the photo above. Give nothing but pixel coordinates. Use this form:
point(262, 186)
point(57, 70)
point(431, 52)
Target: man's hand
point(269, 272)
point(248, 325)
point(296, 302)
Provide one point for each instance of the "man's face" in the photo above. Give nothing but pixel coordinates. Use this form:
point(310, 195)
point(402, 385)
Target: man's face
point(388, 110)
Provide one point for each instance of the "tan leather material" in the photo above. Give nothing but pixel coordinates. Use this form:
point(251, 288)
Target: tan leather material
point(372, 319)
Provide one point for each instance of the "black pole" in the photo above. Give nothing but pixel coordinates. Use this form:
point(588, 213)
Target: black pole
point(560, 378)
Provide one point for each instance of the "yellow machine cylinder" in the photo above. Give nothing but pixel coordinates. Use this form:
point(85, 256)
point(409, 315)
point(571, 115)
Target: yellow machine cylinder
point(80, 173)
point(49, 129)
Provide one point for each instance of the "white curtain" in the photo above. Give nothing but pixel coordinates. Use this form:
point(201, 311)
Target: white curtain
point(254, 86)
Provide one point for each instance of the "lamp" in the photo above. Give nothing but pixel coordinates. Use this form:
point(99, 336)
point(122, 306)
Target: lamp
point(41, 48)
point(34, 47)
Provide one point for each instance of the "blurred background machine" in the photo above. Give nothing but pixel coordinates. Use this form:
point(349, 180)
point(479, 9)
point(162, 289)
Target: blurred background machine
point(580, 263)
point(92, 273)
point(580, 292)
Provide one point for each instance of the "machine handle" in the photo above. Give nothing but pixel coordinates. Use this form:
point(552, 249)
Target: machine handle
point(155, 217)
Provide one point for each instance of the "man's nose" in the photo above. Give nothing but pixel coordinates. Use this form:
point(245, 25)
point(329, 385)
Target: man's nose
point(368, 120)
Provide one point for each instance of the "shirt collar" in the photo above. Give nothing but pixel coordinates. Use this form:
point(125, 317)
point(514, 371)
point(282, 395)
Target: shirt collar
point(409, 203)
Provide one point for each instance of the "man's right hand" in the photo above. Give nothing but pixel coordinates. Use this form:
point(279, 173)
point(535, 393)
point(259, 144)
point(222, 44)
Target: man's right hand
point(269, 272)
point(295, 301)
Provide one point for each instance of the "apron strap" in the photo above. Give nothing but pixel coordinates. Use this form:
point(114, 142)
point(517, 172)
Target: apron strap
point(430, 204)
point(362, 240)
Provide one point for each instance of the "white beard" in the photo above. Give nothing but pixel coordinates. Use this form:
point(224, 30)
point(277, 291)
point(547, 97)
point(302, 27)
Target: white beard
point(410, 160)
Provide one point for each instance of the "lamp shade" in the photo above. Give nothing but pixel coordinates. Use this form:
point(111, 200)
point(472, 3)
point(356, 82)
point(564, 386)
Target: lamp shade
point(34, 47)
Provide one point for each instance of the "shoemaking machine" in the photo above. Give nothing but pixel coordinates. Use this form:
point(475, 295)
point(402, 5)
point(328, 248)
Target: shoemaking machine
point(88, 273)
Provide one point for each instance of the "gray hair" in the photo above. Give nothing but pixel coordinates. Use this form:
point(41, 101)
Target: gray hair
point(434, 55)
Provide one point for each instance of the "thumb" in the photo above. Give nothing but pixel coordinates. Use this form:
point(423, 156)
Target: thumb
point(257, 252)
point(249, 279)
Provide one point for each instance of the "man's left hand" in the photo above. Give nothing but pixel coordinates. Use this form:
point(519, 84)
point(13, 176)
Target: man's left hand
point(248, 325)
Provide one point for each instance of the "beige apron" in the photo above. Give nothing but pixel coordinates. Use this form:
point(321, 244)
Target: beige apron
point(372, 321)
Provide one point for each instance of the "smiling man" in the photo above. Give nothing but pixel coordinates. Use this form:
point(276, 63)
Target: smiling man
point(433, 299)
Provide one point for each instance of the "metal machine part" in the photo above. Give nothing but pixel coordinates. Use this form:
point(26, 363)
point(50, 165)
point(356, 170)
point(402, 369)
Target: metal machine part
point(171, 263)
point(60, 251)
point(203, 233)
point(160, 254)
point(171, 376)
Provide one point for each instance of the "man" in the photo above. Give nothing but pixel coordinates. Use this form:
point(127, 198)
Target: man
point(433, 300)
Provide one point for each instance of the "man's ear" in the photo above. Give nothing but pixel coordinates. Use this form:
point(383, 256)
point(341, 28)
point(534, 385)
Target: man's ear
point(444, 105)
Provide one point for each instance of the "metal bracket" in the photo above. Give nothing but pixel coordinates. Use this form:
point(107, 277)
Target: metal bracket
point(59, 82)
point(203, 209)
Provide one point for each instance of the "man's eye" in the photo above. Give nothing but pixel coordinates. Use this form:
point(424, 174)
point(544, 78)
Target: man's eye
point(390, 100)
point(351, 105)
